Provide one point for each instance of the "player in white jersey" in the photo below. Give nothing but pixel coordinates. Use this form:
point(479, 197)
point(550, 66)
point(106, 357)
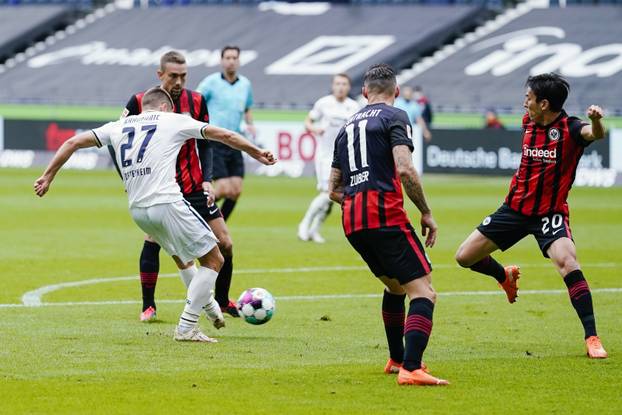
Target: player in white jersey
point(328, 115)
point(146, 147)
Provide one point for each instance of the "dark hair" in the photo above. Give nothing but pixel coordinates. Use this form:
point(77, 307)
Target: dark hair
point(550, 86)
point(154, 97)
point(380, 79)
point(343, 75)
point(229, 47)
point(171, 57)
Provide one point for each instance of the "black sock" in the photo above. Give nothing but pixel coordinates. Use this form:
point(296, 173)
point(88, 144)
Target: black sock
point(393, 313)
point(417, 331)
point(227, 207)
point(581, 299)
point(149, 269)
point(223, 282)
point(490, 267)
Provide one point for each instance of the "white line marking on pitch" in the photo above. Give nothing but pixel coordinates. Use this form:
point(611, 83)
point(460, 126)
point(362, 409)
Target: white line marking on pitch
point(33, 298)
point(313, 297)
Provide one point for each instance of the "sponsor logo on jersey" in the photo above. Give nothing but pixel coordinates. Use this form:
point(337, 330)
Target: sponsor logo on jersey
point(486, 221)
point(540, 154)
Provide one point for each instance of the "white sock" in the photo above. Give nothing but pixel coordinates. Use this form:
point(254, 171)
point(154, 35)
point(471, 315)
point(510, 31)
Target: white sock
point(199, 293)
point(317, 204)
point(188, 274)
point(321, 213)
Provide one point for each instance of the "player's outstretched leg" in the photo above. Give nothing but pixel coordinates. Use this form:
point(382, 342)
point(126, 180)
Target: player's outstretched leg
point(393, 315)
point(149, 266)
point(474, 253)
point(199, 296)
point(563, 254)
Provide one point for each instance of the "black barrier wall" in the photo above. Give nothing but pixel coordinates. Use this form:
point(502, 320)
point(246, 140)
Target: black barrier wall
point(490, 152)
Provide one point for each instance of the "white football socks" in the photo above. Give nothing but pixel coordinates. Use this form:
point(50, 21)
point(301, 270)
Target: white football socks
point(321, 213)
point(318, 207)
point(199, 293)
point(188, 274)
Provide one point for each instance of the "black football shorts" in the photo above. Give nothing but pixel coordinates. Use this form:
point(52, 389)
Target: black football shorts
point(198, 201)
point(394, 252)
point(228, 162)
point(506, 227)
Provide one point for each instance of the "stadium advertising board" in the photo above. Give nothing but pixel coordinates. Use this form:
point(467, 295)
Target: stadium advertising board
point(498, 152)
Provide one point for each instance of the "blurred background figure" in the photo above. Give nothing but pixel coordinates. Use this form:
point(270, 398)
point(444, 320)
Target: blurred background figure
point(492, 120)
point(423, 100)
point(325, 119)
point(408, 102)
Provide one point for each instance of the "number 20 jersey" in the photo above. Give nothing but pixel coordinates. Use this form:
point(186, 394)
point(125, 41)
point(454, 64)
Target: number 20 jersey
point(364, 154)
point(146, 148)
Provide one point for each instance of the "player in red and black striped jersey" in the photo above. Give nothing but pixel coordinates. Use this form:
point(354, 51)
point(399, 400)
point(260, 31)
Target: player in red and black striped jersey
point(372, 160)
point(194, 176)
point(553, 144)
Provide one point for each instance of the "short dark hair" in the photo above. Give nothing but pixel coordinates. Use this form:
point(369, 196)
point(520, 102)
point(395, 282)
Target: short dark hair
point(156, 96)
point(343, 75)
point(171, 57)
point(550, 86)
point(229, 47)
point(380, 79)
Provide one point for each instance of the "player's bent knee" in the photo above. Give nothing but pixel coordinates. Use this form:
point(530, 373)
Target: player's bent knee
point(150, 239)
point(226, 247)
point(213, 260)
point(462, 259)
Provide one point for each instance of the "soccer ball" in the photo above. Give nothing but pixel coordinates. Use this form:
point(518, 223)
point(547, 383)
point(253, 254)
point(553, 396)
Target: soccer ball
point(256, 305)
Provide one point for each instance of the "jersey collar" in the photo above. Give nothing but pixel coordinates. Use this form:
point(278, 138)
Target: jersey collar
point(237, 78)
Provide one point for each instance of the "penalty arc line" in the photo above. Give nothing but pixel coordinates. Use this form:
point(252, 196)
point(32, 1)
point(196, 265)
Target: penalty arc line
point(34, 298)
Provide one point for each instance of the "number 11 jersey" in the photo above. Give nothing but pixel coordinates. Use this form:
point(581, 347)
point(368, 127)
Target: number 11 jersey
point(146, 148)
point(364, 154)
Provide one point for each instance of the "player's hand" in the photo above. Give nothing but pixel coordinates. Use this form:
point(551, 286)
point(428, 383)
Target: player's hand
point(42, 184)
point(208, 190)
point(594, 112)
point(429, 229)
point(265, 157)
point(318, 131)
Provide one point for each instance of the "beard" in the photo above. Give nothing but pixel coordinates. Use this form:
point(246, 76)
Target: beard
point(175, 92)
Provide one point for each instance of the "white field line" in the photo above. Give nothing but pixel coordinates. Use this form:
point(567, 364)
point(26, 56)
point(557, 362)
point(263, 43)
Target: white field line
point(34, 298)
point(314, 297)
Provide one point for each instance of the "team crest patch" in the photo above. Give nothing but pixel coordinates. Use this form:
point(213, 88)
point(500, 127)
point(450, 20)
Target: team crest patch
point(486, 220)
point(554, 134)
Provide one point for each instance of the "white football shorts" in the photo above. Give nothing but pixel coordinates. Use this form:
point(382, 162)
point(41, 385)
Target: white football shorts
point(177, 228)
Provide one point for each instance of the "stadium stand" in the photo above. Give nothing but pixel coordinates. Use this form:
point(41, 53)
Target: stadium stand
point(580, 42)
point(291, 51)
point(21, 26)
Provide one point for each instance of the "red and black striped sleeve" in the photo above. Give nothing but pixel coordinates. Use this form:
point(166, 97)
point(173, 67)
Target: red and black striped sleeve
point(575, 125)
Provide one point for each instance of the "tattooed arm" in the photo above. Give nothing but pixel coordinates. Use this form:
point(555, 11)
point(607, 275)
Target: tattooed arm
point(335, 186)
point(414, 190)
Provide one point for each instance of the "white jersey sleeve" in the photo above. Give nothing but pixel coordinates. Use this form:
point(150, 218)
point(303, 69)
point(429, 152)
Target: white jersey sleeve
point(104, 133)
point(188, 128)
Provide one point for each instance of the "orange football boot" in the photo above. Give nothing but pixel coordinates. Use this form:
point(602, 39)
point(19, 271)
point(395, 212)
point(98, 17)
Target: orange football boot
point(418, 377)
point(393, 367)
point(595, 349)
point(510, 285)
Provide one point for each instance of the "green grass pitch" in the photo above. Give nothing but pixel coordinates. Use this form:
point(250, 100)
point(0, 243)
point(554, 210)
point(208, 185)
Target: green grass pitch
point(99, 359)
